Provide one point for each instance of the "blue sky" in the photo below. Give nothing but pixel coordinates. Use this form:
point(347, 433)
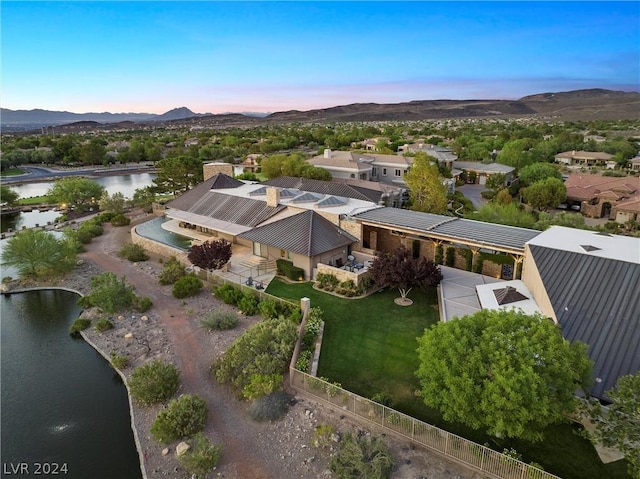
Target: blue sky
point(269, 56)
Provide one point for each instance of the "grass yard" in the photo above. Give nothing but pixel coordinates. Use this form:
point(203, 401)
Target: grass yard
point(369, 346)
point(12, 172)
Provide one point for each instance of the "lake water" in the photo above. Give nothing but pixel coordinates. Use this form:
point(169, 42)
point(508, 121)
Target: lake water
point(62, 403)
point(126, 184)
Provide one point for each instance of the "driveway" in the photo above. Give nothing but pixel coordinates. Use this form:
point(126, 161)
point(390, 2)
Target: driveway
point(472, 192)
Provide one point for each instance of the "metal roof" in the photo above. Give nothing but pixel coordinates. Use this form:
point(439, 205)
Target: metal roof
point(597, 301)
point(325, 187)
point(306, 233)
point(223, 207)
point(489, 235)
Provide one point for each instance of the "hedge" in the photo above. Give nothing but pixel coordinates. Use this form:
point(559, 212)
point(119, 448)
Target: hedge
point(286, 268)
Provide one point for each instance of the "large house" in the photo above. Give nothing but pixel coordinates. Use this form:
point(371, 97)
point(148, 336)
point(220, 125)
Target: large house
point(602, 196)
point(479, 173)
point(364, 166)
point(585, 159)
point(586, 282)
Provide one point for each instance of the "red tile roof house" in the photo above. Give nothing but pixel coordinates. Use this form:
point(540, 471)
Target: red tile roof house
point(598, 196)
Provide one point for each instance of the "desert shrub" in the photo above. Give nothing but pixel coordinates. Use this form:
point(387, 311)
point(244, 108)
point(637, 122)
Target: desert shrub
point(271, 309)
point(270, 408)
point(108, 293)
point(142, 304)
point(133, 252)
point(220, 320)
point(154, 382)
point(382, 398)
point(303, 362)
point(104, 325)
point(211, 254)
point(286, 268)
point(248, 304)
point(294, 314)
point(264, 348)
point(347, 288)
point(105, 217)
point(188, 285)
point(78, 325)
point(323, 435)
point(487, 194)
point(119, 361)
point(172, 271)
point(183, 417)
point(228, 294)
point(262, 385)
point(362, 457)
point(120, 220)
point(201, 457)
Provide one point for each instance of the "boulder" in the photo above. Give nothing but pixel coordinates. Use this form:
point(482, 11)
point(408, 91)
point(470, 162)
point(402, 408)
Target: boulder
point(182, 448)
point(128, 336)
point(165, 451)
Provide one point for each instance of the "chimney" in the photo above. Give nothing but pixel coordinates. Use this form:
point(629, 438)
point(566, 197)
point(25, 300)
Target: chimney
point(273, 197)
point(327, 153)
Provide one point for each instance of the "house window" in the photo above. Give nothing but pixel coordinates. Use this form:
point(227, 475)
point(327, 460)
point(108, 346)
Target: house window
point(384, 172)
point(398, 173)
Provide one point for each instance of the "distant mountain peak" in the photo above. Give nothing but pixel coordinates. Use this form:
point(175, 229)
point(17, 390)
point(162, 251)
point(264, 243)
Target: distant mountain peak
point(179, 113)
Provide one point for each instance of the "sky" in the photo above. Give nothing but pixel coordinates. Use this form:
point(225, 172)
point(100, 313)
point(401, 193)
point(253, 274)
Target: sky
point(216, 57)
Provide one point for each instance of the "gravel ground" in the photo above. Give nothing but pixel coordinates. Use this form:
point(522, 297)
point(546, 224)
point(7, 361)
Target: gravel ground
point(171, 331)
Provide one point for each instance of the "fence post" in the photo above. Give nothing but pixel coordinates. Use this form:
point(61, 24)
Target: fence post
point(446, 444)
point(413, 429)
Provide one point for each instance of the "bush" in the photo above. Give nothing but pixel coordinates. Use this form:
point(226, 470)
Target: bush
point(142, 304)
point(108, 293)
point(304, 361)
point(262, 385)
point(119, 361)
point(172, 271)
point(322, 435)
point(188, 285)
point(183, 417)
point(228, 294)
point(211, 254)
point(133, 252)
point(104, 325)
point(154, 382)
point(270, 408)
point(120, 220)
point(202, 457)
point(272, 309)
point(362, 457)
point(326, 281)
point(105, 217)
point(312, 328)
point(450, 257)
point(248, 304)
point(78, 325)
point(286, 268)
point(220, 320)
point(264, 348)
point(382, 398)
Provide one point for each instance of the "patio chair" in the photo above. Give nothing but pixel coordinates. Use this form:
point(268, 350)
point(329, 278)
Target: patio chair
point(249, 281)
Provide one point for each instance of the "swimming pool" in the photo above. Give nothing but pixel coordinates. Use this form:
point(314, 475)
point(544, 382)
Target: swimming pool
point(153, 230)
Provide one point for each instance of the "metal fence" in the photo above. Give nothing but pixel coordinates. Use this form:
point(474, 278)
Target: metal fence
point(462, 450)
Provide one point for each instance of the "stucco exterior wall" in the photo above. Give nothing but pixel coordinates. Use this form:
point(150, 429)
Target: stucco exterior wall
point(212, 169)
point(533, 281)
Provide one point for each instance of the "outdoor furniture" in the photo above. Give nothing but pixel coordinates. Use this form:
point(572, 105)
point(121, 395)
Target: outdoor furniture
point(249, 281)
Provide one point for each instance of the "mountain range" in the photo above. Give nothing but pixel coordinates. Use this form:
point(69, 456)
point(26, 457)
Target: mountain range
point(572, 105)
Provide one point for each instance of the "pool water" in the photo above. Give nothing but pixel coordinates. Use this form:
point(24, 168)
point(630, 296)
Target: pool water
point(153, 230)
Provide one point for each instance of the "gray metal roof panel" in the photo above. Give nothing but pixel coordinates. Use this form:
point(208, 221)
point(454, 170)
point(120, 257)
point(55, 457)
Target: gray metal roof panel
point(306, 233)
point(324, 187)
point(596, 301)
point(490, 234)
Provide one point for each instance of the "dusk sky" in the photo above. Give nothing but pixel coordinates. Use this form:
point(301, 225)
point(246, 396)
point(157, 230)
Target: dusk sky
point(265, 56)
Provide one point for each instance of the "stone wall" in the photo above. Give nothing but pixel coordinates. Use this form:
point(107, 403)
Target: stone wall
point(159, 248)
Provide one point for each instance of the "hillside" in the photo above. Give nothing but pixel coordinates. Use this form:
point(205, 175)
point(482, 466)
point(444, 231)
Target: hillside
point(559, 106)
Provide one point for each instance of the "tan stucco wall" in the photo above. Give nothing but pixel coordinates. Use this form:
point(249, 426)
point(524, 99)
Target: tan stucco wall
point(212, 169)
point(533, 281)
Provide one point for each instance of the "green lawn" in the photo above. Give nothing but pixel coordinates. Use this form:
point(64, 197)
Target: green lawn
point(12, 172)
point(369, 346)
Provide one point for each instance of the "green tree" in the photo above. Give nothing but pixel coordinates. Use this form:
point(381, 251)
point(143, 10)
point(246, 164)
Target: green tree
point(109, 293)
point(496, 182)
point(78, 193)
point(177, 174)
point(426, 191)
point(545, 194)
point(92, 153)
point(143, 198)
point(8, 196)
point(114, 203)
point(536, 172)
point(502, 371)
point(618, 425)
point(37, 253)
point(504, 214)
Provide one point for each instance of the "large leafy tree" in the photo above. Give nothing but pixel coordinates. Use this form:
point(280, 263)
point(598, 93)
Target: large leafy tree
point(619, 424)
point(114, 203)
point(37, 253)
point(538, 171)
point(401, 270)
point(8, 196)
point(545, 194)
point(426, 190)
point(211, 254)
point(502, 371)
point(177, 174)
point(292, 165)
point(80, 193)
